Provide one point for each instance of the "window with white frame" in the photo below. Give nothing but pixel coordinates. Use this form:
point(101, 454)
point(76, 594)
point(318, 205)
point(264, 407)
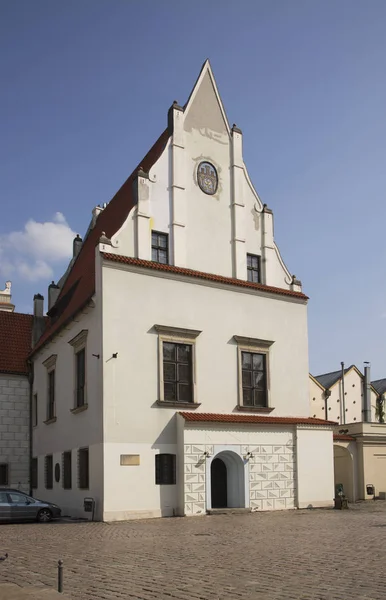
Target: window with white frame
point(79, 344)
point(177, 364)
point(50, 364)
point(253, 373)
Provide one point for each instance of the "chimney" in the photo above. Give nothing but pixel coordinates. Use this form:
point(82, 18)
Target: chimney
point(38, 305)
point(53, 293)
point(38, 320)
point(367, 395)
point(76, 245)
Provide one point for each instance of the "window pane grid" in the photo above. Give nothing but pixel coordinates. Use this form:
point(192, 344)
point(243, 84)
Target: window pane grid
point(177, 371)
point(253, 268)
point(254, 380)
point(159, 247)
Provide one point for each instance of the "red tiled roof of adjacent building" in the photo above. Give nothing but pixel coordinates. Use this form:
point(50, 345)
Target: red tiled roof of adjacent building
point(79, 286)
point(235, 418)
point(341, 437)
point(15, 342)
point(148, 264)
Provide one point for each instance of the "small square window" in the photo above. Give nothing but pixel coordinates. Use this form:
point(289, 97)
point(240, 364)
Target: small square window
point(253, 268)
point(4, 474)
point(165, 469)
point(160, 247)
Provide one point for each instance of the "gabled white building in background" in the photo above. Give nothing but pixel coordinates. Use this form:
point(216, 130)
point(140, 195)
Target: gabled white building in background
point(173, 375)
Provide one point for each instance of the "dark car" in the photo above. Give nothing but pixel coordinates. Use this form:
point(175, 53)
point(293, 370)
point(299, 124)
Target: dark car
point(17, 506)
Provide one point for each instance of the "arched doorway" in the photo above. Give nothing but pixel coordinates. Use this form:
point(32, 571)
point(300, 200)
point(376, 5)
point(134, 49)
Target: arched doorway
point(344, 471)
point(219, 483)
point(227, 485)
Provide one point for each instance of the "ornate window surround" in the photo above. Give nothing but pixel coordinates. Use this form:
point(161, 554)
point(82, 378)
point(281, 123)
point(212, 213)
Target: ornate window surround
point(176, 335)
point(257, 346)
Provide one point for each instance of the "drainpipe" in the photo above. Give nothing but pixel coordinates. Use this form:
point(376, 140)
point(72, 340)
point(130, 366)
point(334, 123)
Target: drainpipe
point(367, 395)
point(343, 396)
point(30, 381)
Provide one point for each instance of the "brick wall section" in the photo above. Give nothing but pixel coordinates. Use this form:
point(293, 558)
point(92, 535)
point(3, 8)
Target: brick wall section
point(14, 428)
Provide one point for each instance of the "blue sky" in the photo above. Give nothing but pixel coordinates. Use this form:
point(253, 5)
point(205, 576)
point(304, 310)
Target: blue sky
point(85, 88)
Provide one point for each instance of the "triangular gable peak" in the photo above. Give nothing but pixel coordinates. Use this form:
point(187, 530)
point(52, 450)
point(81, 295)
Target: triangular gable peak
point(205, 94)
point(200, 195)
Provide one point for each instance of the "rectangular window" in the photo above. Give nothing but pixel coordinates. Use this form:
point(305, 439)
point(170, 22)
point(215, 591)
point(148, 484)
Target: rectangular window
point(4, 474)
point(253, 268)
point(34, 473)
point(83, 469)
point(159, 247)
point(51, 395)
point(254, 379)
point(177, 372)
point(165, 469)
point(80, 358)
point(34, 410)
point(67, 470)
point(49, 471)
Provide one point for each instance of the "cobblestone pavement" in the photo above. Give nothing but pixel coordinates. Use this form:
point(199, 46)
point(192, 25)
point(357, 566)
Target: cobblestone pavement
point(308, 554)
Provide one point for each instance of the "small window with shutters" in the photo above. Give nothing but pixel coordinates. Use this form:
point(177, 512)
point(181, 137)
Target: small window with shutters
point(83, 469)
point(49, 472)
point(165, 469)
point(67, 470)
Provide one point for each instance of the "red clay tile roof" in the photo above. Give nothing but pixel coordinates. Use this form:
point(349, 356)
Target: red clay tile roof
point(79, 286)
point(148, 264)
point(234, 418)
point(341, 437)
point(15, 342)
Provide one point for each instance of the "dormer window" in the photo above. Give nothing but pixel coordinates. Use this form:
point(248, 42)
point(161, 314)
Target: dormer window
point(253, 268)
point(160, 247)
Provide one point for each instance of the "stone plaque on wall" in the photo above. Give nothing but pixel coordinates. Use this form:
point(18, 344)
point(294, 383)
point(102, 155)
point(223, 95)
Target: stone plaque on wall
point(129, 460)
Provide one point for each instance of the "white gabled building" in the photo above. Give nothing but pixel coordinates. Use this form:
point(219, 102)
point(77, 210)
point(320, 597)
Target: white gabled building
point(173, 375)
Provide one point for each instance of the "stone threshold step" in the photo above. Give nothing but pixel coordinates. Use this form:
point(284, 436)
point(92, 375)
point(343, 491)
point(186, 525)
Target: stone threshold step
point(228, 511)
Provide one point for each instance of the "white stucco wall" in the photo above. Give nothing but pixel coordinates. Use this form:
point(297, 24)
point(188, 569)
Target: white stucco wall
point(14, 429)
point(71, 431)
point(315, 467)
point(133, 422)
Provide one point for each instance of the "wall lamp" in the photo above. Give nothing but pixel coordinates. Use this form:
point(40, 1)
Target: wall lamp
point(248, 455)
point(206, 454)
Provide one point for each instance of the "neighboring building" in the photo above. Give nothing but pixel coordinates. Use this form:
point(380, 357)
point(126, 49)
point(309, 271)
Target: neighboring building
point(15, 345)
point(359, 438)
point(341, 399)
point(172, 377)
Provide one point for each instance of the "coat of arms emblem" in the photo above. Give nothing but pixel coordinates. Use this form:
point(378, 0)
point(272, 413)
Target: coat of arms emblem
point(207, 177)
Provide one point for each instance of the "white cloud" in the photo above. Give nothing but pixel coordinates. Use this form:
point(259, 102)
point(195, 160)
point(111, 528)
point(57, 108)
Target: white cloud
point(32, 253)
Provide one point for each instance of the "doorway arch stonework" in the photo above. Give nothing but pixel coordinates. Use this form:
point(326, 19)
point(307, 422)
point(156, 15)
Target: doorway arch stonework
point(237, 477)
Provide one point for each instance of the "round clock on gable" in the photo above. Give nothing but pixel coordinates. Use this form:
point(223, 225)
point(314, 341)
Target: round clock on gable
point(207, 177)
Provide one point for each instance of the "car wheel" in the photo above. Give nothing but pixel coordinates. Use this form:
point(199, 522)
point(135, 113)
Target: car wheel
point(44, 515)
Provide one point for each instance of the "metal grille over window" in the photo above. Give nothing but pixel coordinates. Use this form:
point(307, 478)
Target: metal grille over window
point(83, 469)
point(67, 468)
point(177, 365)
point(34, 473)
point(51, 395)
point(49, 472)
point(80, 358)
point(254, 379)
point(165, 469)
point(159, 247)
point(4, 474)
point(253, 268)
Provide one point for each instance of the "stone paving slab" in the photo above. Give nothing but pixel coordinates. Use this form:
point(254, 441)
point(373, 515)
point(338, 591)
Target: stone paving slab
point(10, 591)
point(306, 555)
